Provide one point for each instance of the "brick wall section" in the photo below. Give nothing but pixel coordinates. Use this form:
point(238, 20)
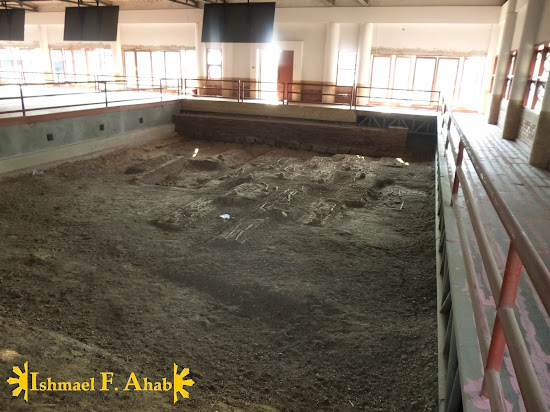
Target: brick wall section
point(319, 137)
point(527, 131)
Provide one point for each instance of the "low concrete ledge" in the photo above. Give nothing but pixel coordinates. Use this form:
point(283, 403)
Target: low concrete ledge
point(291, 111)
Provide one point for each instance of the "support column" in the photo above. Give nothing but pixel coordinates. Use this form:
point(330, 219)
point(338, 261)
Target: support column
point(46, 65)
point(540, 151)
point(523, 65)
point(200, 52)
point(331, 60)
point(363, 58)
point(227, 71)
point(116, 51)
point(502, 62)
point(486, 89)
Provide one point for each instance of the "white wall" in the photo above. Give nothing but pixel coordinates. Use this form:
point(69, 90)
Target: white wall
point(432, 39)
point(349, 36)
point(313, 37)
point(457, 31)
point(157, 35)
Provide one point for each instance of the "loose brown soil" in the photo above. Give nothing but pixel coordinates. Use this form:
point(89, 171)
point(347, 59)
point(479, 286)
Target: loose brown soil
point(318, 293)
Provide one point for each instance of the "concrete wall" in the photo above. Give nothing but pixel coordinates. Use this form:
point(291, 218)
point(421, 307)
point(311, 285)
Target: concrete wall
point(27, 145)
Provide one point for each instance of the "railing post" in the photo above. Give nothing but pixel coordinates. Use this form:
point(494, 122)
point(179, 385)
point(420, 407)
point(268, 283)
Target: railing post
point(160, 87)
point(239, 91)
point(459, 158)
point(22, 99)
point(449, 121)
point(105, 89)
point(508, 293)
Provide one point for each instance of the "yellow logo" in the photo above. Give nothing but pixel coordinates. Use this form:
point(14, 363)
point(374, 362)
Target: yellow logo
point(105, 383)
point(179, 383)
point(22, 382)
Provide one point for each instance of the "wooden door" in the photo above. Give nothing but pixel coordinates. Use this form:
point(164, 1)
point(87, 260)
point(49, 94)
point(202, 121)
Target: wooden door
point(284, 73)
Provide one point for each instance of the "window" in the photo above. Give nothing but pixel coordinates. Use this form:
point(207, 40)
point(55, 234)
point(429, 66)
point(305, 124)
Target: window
point(14, 61)
point(415, 78)
point(540, 67)
point(189, 64)
point(130, 68)
point(80, 64)
point(345, 75)
point(401, 80)
point(10, 59)
point(380, 76)
point(424, 73)
point(214, 63)
point(445, 80)
point(472, 79)
point(152, 66)
point(510, 75)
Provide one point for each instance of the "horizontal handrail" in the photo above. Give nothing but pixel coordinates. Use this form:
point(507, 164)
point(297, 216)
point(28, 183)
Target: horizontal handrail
point(101, 87)
point(522, 253)
point(234, 89)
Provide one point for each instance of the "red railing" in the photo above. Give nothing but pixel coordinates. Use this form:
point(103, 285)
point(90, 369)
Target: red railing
point(521, 253)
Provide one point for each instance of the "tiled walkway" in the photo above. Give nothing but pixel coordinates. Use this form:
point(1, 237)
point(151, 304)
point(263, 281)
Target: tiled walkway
point(526, 190)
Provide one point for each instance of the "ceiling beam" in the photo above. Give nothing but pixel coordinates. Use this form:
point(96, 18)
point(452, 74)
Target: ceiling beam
point(190, 3)
point(22, 5)
point(30, 6)
point(73, 2)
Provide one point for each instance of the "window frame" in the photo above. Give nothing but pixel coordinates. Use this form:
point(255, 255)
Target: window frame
point(354, 70)
point(510, 72)
point(208, 65)
point(535, 80)
point(74, 75)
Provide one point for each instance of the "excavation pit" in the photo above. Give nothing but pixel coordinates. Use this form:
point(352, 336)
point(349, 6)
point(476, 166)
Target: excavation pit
point(317, 293)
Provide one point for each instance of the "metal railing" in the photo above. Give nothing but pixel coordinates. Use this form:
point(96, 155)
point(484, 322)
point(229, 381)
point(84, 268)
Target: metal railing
point(376, 96)
point(227, 89)
point(301, 93)
point(521, 253)
point(43, 77)
point(320, 93)
point(265, 91)
point(103, 94)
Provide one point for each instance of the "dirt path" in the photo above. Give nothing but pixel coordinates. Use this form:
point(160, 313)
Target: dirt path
point(318, 293)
